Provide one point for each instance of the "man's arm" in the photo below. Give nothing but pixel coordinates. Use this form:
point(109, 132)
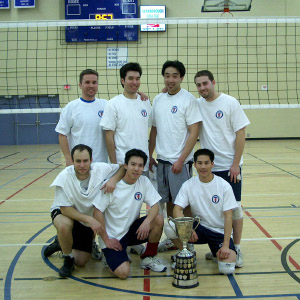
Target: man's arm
point(110, 185)
point(152, 143)
point(224, 251)
point(189, 146)
point(239, 148)
point(110, 243)
point(64, 145)
point(144, 229)
point(74, 214)
point(110, 145)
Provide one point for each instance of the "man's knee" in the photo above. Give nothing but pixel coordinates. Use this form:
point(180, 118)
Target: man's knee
point(226, 268)
point(237, 213)
point(170, 231)
point(122, 271)
point(159, 221)
point(63, 223)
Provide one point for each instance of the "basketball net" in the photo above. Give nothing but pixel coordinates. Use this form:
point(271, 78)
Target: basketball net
point(226, 8)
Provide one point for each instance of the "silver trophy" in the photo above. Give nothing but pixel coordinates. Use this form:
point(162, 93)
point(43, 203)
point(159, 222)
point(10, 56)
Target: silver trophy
point(185, 273)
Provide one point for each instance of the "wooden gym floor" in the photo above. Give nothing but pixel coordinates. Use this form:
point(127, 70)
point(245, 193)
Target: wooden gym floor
point(271, 201)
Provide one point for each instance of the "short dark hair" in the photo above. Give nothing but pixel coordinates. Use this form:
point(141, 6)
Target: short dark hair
point(130, 67)
point(136, 152)
point(87, 72)
point(204, 152)
point(204, 73)
point(81, 147)
point(179, 66)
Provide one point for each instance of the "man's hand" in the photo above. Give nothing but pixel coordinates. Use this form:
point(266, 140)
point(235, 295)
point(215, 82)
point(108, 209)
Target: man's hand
point(177, 167)
point(152, 162)
point(95, 225)
point(234, 173)
point(109, 186)
point(113, 244)
point(223, 253)
point(144, 97)
point(194, 237)
point(143, 230)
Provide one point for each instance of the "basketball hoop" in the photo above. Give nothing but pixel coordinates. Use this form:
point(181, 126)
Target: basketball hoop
point(226, 8)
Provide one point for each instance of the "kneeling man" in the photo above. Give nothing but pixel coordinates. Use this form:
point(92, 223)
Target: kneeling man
point(211, 198)
point(119, 215)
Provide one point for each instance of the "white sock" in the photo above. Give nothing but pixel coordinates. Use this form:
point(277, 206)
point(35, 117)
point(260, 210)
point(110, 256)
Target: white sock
point(69, 254)
point(237, 246)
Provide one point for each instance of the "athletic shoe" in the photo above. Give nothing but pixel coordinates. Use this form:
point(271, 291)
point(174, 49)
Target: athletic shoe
point(104, 262)
point(209, 256)
point(52, 248)
point(239, 259)
point(67, 268)
point(153, 264)
point(173, 266)
point(173, 257)
point(96, 254)
point(137, 249)
point(166, 245)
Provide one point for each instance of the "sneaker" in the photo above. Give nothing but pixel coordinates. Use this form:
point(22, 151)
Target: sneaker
point(104, 262)
point(166, 245)
point(153, 264)
point(239, 259)
point(96, 254)
point(173, 266)
point(128, 251)
point(137, 249)
point(67, 268)
point(209, 256)
point(173, 257)
point(52, 248)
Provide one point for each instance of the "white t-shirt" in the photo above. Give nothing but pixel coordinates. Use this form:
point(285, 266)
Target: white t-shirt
point(122, 207)
point(208, 200)
point(172, 114)
point(130, 120)
point(79, 121)
point(222, 118)
point(70, 191)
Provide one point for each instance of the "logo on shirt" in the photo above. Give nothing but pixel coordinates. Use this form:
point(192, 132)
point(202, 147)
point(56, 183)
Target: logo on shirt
point(215, 199)
point(144, 113)
point(174, 110)
point(138, 196)
point(219, 114)
point(100, 113)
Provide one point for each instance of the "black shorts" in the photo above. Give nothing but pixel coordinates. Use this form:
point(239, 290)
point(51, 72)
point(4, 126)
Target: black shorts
point(116, 258)
point(83, 236)
point(236, 187)
point(213, 239)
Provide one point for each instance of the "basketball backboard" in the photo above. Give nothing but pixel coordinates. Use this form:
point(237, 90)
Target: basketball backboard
point(226, 5)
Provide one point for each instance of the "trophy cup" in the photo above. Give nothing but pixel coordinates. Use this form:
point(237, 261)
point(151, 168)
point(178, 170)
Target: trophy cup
point(185, 273)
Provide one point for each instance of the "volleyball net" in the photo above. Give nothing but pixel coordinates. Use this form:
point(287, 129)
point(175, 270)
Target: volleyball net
point(256, 60)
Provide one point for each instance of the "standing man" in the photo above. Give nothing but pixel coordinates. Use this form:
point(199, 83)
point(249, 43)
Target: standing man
point(127, 118)
point(212, 199)
point(176, 117)
point(119, 212)
point(223, 132)
point(79, 124)
point(76, 187)
point(79, 120)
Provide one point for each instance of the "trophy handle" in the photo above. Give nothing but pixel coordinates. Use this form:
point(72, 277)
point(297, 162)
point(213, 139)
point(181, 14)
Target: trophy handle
point(171, 219)
point(197, 218)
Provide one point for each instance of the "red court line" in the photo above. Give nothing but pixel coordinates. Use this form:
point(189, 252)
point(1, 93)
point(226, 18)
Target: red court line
point(13, 164)
point(265, 232)
point(146, 284)
point(27, 185)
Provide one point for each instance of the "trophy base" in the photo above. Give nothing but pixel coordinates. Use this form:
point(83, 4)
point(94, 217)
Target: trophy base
point(185, 273)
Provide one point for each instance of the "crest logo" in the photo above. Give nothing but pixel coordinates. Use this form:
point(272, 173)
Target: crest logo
point(215, 199)
point(138, 196)
point(174, 110)
point(144, 113)
point(219, 114)
point(100, 113)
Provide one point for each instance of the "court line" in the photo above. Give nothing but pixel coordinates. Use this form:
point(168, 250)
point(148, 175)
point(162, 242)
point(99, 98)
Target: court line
point(27, 185)
point(14, 163)
point(15, 179)
point(274, 166)
point(9, 155)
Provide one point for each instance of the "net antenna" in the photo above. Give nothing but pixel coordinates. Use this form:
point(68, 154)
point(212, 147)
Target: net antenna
point(226, 6)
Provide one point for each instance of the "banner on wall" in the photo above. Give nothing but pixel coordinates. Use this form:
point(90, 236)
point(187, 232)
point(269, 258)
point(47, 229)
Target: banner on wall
point(4, 4)
point(24, 3)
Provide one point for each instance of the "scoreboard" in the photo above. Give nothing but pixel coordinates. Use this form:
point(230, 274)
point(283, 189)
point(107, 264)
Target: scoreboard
point(101, 10)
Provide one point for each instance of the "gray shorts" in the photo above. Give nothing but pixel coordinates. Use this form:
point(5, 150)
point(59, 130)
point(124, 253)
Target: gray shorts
point(169, 183)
